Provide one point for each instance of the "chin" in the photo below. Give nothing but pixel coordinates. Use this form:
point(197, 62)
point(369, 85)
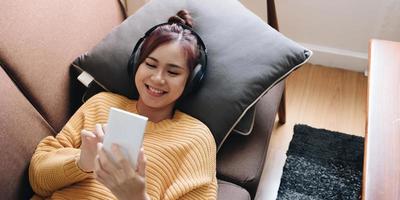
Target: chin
point(156, 104)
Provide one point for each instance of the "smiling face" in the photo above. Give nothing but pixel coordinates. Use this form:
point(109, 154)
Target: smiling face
point(161, 78)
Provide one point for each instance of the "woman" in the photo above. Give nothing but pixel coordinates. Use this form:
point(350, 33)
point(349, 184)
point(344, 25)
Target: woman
point(178, 160)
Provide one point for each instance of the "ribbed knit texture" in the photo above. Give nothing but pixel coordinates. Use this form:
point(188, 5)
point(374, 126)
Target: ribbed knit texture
point(180, 152)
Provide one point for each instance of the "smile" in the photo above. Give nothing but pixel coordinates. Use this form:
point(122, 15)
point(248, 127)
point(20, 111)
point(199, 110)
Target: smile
point(154, 91)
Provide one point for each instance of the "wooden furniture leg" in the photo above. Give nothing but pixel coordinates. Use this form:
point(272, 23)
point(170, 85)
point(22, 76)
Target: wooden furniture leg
point(271, 12)
point(273, 22)
point(282, 107)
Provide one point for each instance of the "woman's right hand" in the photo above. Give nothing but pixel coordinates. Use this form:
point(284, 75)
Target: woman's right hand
point(89, 147)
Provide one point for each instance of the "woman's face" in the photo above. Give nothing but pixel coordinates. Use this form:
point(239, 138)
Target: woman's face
point(161, 77)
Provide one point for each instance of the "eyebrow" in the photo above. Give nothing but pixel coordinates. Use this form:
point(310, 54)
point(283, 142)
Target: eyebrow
point(169, 64)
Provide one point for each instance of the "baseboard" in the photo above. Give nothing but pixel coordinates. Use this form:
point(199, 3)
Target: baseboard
point(339, 58)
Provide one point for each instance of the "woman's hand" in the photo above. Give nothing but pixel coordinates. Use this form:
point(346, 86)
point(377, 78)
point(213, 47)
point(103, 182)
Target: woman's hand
point(89, 147)
point(119, 176)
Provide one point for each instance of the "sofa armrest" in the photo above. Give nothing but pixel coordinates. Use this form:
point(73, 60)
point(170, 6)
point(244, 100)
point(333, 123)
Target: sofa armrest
point(241, 159)
point(22, 127)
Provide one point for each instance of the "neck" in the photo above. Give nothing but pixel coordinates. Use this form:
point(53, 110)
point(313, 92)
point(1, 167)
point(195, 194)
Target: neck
point(154, 114)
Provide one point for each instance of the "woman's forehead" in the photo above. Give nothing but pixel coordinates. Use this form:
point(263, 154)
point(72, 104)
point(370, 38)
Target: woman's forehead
point(171, 53)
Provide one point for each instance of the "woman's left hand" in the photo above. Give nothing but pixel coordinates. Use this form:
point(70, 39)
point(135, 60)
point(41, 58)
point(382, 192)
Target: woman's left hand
point(119, 176)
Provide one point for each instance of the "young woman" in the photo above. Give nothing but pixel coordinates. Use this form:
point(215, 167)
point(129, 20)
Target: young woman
point(179, 156)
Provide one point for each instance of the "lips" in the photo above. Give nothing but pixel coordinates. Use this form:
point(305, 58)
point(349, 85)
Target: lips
point(155, 91)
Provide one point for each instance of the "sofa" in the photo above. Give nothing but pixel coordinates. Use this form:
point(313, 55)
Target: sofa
point(39, 92)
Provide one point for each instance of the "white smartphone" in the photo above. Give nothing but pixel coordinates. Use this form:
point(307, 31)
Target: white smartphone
point(125, 129)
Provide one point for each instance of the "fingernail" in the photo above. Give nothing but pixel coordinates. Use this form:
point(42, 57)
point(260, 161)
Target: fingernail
point(99, 145)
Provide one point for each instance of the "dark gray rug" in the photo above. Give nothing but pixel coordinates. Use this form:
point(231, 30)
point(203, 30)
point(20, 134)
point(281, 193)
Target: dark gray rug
point(322, 164)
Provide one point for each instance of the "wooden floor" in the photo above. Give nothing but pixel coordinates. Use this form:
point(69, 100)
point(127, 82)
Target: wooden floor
point(321, 97)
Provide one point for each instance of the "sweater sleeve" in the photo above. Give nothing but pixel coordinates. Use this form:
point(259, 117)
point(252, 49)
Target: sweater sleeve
point(54, 162)
point(206, 186)
point(199, 164)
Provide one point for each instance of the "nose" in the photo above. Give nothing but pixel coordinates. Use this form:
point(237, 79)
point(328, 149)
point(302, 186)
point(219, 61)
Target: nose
point(158, 77)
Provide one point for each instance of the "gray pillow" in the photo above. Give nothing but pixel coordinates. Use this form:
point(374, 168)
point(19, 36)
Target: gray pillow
point(246, 57)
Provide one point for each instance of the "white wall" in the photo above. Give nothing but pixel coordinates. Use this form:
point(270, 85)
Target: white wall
point(337, 31)
point(133, 5)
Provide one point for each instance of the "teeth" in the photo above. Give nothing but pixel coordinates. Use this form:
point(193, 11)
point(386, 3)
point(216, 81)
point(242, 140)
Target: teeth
point(155, 90)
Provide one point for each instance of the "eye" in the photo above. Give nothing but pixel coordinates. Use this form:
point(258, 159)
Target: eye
point(173, 73)
point(150, 65)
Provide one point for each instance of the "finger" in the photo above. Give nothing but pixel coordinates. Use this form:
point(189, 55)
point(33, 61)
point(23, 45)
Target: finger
point(97, 166)
point(99, 131)
point(121, 161)
point(99, 173)
point(105, 160)
point(99, 148)
point(142, 161)
point(105, 128)
point(86, 133)
point(101, 136)
point(86, 137)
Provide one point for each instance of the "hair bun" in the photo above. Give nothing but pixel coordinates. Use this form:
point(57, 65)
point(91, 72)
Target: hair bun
point(182, 17)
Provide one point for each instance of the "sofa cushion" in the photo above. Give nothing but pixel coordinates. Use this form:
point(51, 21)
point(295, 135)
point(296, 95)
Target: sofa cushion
point(22, 127)
point(241, 159)
point(246, 57)
point(230, 191)
point(40, 40)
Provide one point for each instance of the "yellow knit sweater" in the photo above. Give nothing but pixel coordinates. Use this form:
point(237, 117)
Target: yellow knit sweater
point(181, 156)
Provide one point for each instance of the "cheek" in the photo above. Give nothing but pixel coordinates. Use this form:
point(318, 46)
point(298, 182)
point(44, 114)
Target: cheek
point(180, 84)
point(139, 76)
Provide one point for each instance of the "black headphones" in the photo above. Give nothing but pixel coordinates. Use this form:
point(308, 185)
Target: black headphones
point(198, 72)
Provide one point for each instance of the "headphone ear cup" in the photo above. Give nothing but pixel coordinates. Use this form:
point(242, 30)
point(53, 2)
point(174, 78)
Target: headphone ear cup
point(200, 70)
point(197, 75)
point(134, 59)
point(193, 80)
point(136, 56)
